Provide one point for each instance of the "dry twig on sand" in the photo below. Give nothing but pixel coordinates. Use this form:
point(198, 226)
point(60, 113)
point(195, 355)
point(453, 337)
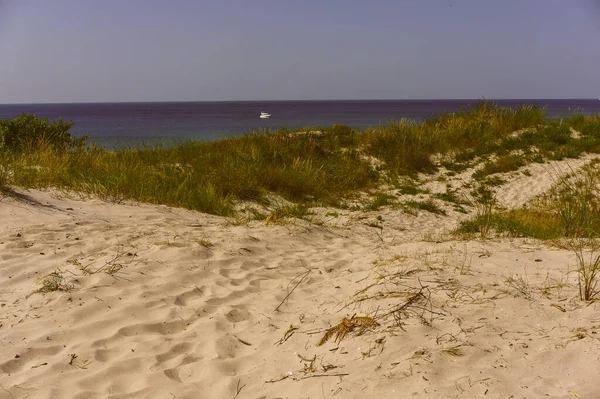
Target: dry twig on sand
point(302, 277)
point(346, 326)
point(238, 389)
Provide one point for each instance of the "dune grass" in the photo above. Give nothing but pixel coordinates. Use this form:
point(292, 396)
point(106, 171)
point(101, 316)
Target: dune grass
point(407, 147)
point(569, 210)
point(428, 206)
point(304, 168)
point(204, 176)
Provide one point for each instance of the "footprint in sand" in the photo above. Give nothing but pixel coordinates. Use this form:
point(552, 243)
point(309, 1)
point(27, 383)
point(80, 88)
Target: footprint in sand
point(188, 296)
point(238, 314)
point(107, 355)
point(28, 358)
point(187, 370)
point(227, 347)
point(231, 297)
point(174, 351)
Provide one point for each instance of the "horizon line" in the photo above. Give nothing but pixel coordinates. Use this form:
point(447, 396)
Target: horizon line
point(483, 99)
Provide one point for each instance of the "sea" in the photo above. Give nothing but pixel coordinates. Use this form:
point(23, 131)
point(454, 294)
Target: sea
point(118, 125)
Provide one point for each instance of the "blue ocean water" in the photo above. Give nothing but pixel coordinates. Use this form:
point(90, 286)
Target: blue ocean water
point(117, 124)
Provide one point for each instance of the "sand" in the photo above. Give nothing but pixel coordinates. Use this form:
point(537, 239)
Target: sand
point(169, 303)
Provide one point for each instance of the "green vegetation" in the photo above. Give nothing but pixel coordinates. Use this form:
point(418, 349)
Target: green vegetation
point(379, 200)
point(503, 164)
point(325, 168)
point(27, 133)
point(5, 172)
point(429, 206)
point(410, 188)
point(451, 196)
point(207, 177)
point(407, 147)
point(571, 209)
point(483, 199)
point(281, 213)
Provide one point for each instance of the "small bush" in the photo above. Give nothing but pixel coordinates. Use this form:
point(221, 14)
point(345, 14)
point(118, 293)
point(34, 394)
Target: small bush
point(26, 133)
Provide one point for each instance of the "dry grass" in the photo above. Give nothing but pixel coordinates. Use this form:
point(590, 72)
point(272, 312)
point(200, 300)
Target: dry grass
point(206, 243)
point(55, 281)
point(356, 324)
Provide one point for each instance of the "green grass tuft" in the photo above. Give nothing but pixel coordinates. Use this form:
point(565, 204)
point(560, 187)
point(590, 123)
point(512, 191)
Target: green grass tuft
point(428, 206)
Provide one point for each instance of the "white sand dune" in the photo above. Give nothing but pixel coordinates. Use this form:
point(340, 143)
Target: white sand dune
point(543, 176)
point(169, 303)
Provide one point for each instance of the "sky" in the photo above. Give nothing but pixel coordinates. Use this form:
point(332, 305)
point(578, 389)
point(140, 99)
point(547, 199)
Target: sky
point(221, 50)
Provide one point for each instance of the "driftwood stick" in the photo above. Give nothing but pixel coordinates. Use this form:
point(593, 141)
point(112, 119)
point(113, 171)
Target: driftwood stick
point(324, 375)
point(409, 302)
point(297, 284)
point(238, 389)
point(283, 377)
point(242, 341)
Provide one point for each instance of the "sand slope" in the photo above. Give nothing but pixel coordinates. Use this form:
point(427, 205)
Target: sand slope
point(169, 303)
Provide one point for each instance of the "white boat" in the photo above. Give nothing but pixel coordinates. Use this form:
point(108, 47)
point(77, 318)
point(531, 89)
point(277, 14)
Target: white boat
point(265, 115)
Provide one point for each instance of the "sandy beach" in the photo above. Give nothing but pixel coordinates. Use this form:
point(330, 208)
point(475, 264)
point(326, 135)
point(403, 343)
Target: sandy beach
point(150, 301)
point(299, 200)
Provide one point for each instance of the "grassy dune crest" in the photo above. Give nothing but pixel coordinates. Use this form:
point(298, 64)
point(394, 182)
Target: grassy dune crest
point(327, 167)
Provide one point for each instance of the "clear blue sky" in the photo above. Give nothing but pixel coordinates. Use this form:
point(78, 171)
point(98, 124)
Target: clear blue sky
point(204, 50)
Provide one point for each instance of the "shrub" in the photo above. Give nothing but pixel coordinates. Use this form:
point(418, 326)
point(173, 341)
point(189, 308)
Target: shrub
point(27, 132)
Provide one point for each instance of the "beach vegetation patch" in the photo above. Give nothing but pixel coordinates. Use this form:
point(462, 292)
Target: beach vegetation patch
point(429, 206)
point(379, 200)
point(55, 281)
point(26, 133)
point(324, 167)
